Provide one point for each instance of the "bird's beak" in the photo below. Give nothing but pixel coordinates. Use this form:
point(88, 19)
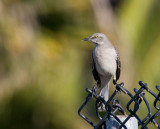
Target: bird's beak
point(85, 39)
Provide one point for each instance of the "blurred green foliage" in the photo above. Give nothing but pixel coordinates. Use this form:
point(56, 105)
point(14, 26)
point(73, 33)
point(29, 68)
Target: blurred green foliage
point(44, 67)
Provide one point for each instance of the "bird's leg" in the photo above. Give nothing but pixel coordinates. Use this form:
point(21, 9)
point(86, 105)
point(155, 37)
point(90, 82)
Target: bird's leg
point(94, 89)
point(100, 105)
point(98, 101)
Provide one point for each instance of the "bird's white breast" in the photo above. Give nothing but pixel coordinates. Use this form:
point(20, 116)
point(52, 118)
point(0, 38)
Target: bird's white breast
point(105, 59)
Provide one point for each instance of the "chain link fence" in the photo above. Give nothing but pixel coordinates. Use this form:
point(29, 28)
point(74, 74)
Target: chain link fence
point(133, 106)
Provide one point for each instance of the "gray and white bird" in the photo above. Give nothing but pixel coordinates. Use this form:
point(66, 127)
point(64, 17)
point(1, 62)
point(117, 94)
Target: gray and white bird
point(105, 64)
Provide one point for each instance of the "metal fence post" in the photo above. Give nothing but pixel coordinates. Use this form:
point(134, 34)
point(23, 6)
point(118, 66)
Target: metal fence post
point(112, 123)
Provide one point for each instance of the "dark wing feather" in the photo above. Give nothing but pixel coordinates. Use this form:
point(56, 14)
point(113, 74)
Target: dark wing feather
point(95, 73)
point(118, 70)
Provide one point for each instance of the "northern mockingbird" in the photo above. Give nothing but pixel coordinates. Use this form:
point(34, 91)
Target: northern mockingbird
point(105, 64)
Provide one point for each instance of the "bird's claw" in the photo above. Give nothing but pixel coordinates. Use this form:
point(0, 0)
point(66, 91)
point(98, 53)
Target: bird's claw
point(94, 89)
point(100, 105)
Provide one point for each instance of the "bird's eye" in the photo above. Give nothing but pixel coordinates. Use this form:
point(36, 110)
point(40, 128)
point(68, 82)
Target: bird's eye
point(95, 37)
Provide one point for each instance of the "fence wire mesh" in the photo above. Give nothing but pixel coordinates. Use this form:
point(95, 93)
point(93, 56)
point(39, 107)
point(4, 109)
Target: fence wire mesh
point(113, 105)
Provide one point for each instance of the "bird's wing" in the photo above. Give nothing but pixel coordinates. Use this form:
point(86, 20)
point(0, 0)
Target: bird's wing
point(95, 73)
point(118, 70)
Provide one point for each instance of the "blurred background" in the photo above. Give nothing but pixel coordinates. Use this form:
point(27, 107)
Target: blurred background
point(44, 66)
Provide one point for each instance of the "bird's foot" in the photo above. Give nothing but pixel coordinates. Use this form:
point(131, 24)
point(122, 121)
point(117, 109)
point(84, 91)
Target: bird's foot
point(100, 105)
point(94, 89)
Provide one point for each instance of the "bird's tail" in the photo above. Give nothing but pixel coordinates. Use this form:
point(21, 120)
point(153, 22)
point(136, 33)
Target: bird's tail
point(105, 92)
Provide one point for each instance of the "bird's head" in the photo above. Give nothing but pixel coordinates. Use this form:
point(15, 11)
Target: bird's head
point(96, 38)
